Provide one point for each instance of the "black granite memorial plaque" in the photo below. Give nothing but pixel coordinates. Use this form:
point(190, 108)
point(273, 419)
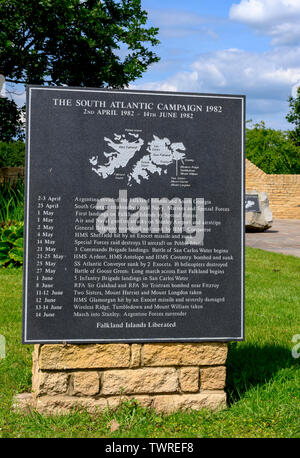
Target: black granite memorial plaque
point(134, 227)
point(252, 203)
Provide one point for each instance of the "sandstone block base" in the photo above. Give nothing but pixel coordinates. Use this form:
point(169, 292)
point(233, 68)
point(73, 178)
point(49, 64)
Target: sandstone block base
point(166, 377)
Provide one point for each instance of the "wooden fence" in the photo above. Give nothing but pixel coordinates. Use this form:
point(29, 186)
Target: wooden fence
point(11, 173)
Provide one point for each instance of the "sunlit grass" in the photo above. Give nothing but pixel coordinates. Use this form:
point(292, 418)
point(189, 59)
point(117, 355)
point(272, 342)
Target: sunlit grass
point(263, 379)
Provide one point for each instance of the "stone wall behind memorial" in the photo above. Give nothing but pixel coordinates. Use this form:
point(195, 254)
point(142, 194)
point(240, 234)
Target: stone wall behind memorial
point(283, 191)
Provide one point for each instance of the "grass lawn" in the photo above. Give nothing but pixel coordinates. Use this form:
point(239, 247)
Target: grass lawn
point(263, 379)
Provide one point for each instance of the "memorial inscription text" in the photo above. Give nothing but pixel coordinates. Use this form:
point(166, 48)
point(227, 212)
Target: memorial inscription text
point(134, 224)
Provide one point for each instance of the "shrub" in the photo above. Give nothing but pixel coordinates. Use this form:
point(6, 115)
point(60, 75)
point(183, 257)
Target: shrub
point(12, 154)
point(11, 202)
point(272, 150)
point(11, 245)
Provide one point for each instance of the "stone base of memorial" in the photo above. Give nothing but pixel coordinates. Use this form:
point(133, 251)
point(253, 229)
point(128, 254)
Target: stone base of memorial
point(166, 377)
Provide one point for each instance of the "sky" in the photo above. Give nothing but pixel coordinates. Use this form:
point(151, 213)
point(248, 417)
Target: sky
point(249, 47)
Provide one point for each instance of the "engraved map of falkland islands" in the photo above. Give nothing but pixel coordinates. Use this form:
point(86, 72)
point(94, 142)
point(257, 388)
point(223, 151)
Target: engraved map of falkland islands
point(148, 158)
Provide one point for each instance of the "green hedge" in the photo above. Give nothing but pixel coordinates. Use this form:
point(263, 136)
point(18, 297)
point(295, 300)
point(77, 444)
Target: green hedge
point(12, 154)
point(272, 150)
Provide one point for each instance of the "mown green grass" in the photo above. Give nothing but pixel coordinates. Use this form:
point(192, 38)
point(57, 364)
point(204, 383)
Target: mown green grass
point(263, 379)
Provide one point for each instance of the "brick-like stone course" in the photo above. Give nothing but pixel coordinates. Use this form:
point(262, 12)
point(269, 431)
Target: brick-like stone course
point(189, 379)
point(184, 354)
point(52, 384)
point(166, 377)
point(86, 383)
point(58, 357)
point(213, 378)
point(144, 380)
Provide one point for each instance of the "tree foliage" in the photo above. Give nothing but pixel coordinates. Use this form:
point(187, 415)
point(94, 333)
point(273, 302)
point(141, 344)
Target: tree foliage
point(272, 150)
point(12, 154)
point(11, 126)
point(75, 42)
point(294, 118)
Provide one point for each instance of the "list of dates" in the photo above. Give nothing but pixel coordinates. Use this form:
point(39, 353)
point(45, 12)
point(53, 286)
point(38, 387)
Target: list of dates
point(126, 276)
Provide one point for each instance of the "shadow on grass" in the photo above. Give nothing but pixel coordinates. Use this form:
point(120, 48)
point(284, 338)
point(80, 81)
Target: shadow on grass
point(249, 365)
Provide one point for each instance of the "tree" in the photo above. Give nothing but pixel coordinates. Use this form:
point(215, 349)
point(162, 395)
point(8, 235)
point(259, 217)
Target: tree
point(75, 42)
point(272, 150)
point(11, 126)
point(294, 117)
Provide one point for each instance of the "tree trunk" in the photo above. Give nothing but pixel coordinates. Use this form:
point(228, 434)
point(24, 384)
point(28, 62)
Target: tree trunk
point(2, 82)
